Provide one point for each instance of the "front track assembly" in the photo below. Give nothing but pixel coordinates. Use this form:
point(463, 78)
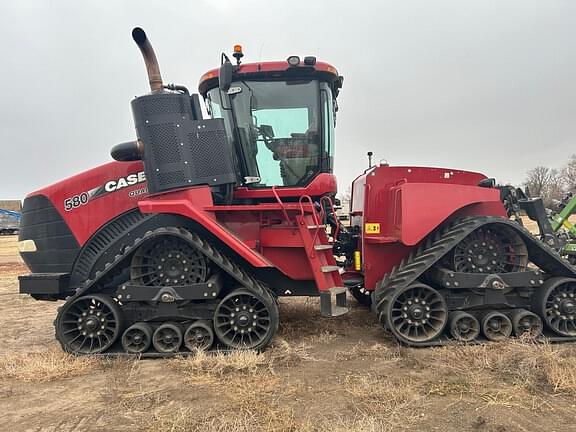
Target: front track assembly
point(177, 301)
point(474, 280)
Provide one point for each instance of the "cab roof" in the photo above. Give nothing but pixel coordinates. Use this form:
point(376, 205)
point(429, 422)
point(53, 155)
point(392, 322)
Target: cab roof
point(272, 70)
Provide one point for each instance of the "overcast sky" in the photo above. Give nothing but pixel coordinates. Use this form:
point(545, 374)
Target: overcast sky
point(481, 85)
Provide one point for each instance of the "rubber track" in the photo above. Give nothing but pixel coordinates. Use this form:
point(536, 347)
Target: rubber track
point(194, 240)
point(104, 242)
point(226, 264)
point(439, 243)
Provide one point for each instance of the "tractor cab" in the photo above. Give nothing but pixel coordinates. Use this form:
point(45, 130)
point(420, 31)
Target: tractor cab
point(280, 117)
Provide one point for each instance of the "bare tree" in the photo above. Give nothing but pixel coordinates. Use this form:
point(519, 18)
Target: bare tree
point(536, 180)
point(545, 183)
point(569, 173)
point(555, 189)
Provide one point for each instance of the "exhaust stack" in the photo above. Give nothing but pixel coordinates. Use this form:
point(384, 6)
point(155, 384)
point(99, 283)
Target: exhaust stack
point(150, 60)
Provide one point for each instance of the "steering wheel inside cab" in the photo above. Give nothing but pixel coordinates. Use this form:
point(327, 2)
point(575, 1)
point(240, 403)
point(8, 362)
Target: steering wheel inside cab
point(266, 132)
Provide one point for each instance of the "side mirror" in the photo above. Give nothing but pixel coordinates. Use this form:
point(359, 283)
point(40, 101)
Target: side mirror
point(487, 183)
point(225, 76)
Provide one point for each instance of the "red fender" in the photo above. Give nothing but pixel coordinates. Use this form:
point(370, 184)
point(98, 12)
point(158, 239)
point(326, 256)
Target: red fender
point(421, 207)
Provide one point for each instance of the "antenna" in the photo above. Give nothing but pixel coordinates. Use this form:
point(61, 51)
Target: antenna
point(370, 154)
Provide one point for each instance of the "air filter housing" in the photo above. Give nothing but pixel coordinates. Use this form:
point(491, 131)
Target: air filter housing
point(179, 151)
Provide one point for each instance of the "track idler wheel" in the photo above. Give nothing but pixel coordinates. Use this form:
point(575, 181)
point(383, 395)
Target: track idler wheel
point(417, 314)
point(137, 338)
point(89, 324)
point(555, 302)
point(496, 326)
point(199, 336)
point(167, 338)
point(526, 323)
point(245, 320)
point(464, 327)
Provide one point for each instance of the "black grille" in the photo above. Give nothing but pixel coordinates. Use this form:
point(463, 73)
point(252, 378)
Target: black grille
point(166, 105)
point(164, 137)
point(171, 178)
point(210, 162)
point(178, 151)
point(56, 246)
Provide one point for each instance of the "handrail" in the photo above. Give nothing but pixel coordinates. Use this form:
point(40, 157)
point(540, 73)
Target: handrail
point(314, 216)
point(301, 202)
point(334, 215)
point(281, 205)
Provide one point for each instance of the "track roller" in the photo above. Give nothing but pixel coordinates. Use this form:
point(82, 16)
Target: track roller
point(556, 304)
point(496, 326)
point(199, 336)
point(526, 322)
point(89, 324)
point(245, 320)
point(463, 326)
point(167, 338)
point(137, 338)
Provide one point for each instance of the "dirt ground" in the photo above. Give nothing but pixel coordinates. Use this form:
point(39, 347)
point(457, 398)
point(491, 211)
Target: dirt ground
point(320, 374)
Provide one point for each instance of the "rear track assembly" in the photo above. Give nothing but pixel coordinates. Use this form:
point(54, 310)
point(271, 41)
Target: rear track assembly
point(402, 301)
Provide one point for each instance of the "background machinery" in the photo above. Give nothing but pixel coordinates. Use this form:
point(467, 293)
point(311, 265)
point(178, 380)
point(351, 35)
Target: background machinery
point(9, 222)
point(188, 238)
point(564, 229)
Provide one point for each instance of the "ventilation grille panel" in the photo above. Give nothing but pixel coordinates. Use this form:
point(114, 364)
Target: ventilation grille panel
point(166, 104)
point(180, 152)
point(208, 161)
point(164, 138)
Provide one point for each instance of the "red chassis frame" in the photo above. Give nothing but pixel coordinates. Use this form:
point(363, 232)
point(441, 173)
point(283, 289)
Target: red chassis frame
point(406, 203)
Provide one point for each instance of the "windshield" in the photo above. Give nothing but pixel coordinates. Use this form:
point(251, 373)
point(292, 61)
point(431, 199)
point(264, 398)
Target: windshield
point(283, 138)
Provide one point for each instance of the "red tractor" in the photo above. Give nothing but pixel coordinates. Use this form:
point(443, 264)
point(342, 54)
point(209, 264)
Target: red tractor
point(186, 240)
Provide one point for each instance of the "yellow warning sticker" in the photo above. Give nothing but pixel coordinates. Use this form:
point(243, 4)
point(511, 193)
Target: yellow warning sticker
point(372, 228)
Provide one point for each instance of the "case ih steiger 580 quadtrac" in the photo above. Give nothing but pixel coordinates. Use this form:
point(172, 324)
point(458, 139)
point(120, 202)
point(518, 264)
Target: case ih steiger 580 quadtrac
point(188, 238)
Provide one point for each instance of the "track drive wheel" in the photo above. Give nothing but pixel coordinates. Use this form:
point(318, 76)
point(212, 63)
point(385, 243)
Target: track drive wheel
point(245, 320)
point(496, 326)
point(167, 338)
point(463, 326)
point(199, 336)
point(137, 338)
point(489, 249)
point(526, 323)
point(362, 295)
point(555, 302)
point(417, 314)
point(89, 324)
point(168, 261)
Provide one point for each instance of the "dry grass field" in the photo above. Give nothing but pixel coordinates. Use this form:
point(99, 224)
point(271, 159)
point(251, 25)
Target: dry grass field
point(319, 375)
